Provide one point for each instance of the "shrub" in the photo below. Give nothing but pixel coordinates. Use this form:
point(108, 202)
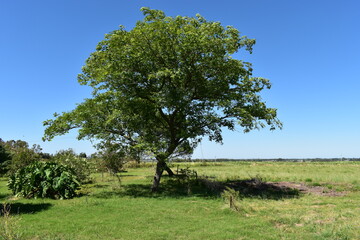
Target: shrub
point(80, 165)
point(233, 198)
point(113, 160)
point(44, 179)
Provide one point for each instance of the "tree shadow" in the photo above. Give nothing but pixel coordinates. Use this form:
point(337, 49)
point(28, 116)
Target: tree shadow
point(24, 208)
point(100, 185)
point(206, 188)
point(256, 188)
point(4, 196)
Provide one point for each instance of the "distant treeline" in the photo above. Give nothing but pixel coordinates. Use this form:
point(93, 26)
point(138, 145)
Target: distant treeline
point(268, 160)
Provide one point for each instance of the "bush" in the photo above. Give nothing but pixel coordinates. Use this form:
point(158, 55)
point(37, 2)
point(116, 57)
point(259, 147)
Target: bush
point(232, 197)
point(80, 165)
point(45, 180)
point(113, 161)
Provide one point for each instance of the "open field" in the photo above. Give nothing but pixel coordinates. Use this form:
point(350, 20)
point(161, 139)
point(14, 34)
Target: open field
point(107, 210)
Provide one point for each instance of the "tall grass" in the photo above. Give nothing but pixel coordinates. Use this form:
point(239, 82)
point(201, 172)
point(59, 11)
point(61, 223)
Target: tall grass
point(10, 228)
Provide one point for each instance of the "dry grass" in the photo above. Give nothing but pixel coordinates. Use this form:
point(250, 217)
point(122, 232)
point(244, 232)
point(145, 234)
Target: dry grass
point(10, 228)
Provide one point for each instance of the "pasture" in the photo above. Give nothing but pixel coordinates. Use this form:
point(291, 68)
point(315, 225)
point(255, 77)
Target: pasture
point(324, 205)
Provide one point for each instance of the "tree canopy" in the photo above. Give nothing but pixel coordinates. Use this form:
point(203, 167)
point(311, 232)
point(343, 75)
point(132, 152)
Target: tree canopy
point(164, 85)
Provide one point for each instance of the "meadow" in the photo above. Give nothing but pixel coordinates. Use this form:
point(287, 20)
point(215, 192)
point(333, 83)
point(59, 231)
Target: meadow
point(187, 208)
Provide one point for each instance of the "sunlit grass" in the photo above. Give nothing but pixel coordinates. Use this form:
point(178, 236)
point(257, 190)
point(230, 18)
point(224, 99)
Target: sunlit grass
point(340, 172)
point(107, 210)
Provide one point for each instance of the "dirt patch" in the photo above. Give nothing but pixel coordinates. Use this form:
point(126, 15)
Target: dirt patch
point(256, 187)
point(317, 190)
point(271, 190)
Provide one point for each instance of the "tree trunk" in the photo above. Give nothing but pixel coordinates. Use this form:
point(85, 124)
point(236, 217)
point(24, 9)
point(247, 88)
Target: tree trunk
point(160, 167)
point(169, 171)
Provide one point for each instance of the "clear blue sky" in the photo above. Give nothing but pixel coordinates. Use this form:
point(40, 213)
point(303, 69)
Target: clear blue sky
point(308, 49)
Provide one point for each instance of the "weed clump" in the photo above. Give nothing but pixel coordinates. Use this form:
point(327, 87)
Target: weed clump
point(9, 224)
point(234, 199)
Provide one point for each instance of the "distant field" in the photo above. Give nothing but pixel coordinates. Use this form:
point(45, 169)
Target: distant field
point(190, 210)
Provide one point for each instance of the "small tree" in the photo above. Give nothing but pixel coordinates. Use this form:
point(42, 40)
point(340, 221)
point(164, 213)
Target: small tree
point(4, 157)
point(19, 154)
point(164, 85)
point(113, 158)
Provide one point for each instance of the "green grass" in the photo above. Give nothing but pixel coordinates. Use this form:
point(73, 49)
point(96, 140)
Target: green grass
point(110, 211)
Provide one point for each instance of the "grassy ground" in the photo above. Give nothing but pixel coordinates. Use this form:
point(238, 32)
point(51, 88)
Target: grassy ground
point(189, 211)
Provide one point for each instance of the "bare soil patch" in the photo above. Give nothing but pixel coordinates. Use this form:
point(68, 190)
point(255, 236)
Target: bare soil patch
point(272, 190)
point(317, 190)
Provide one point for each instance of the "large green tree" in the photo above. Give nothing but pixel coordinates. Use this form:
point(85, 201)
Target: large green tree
point(4, 157)
point(164, 85)
point(19, 154)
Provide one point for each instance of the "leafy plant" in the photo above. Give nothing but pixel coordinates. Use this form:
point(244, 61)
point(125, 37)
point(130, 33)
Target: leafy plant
point(9, 225)
point(17, 154)
point(232, 197)
point(113, 161)
point(44, 179)
point(186, 176)
point(80, 165)
point(4, 157)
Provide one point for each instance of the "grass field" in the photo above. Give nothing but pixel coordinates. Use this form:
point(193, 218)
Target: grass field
point(189, 210)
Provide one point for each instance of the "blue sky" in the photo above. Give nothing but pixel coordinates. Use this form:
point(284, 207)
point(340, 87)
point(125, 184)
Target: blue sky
point(309, 50)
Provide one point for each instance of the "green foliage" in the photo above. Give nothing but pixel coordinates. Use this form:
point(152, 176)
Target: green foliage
point(3, 153)
point(19, 154)
point(81, 166)
point(45, 180)
point(164, 85)
point(186, 174)
point(113, 162)
point(112, 157)
point(4, 157)
point(232, 197)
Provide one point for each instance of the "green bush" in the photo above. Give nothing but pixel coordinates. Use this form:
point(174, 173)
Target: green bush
point(81, 166)
point(45, 180)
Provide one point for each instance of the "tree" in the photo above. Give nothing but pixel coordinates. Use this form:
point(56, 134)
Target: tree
point(20, 154)
point(164, 85)
point(4, 157)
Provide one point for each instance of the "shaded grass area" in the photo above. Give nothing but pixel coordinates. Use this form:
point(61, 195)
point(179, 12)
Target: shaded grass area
point(204, 188)
point(25, 208)
point(196, 210)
